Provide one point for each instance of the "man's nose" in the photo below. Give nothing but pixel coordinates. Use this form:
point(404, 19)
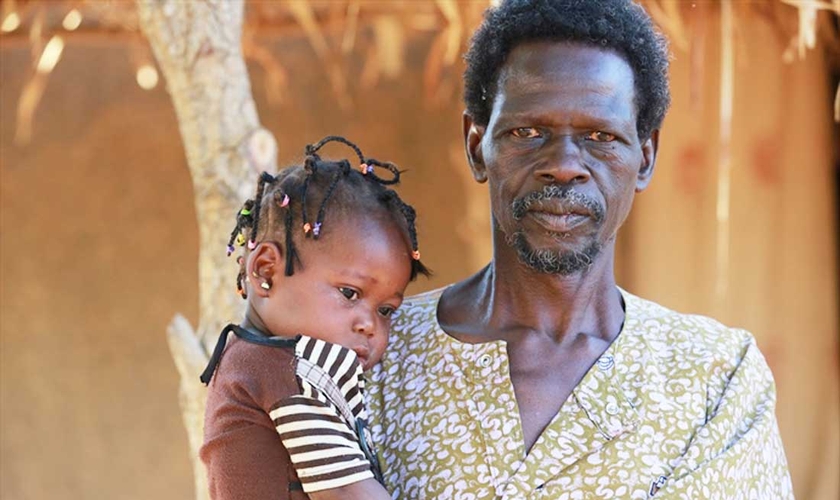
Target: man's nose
point(563, 163)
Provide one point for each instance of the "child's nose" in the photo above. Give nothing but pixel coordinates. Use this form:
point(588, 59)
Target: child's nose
point(364, 323)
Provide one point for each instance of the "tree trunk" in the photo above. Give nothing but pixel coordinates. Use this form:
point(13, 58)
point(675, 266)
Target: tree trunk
point(198, 47)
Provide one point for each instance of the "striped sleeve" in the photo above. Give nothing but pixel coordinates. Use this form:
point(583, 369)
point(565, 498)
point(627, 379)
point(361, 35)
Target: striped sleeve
point(323, 448)
point(331, 373)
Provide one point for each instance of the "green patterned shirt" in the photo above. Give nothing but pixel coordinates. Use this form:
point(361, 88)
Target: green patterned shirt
point(678, 407)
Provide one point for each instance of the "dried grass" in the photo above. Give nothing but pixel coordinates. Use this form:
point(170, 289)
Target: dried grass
point(333, 29)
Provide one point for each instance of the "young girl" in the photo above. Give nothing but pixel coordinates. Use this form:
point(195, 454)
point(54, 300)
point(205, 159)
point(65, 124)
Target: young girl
point(329, 251)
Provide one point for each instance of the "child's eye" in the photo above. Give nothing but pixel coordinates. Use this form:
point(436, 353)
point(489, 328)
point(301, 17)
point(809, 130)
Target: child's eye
point(387, 311)
point(348, 293)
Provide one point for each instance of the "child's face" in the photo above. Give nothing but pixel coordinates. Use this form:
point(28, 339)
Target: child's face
point(344, 289)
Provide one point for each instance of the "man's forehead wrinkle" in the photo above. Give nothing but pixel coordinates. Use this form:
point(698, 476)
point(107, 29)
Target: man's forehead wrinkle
point(526, 65)
point(605, 80)
point(529, 75)
point(541, 99)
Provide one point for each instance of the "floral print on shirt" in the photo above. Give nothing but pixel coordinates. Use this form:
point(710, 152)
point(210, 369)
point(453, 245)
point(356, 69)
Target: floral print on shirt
point(678, 407)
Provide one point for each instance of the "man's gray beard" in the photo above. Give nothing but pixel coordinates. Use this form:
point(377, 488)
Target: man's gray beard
point(564, 263)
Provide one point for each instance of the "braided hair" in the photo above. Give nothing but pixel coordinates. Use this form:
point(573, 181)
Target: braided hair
point(299, 192)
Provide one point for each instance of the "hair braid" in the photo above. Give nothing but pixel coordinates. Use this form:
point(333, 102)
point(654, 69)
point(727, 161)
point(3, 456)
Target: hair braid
point(244, 220)
point(239, 282)
point(293, 189)
point(265, 178)
point(344, 169)
point(391, 198)
point(312, 149)
point(309, 166)
point(369, 172)
point(291, 253)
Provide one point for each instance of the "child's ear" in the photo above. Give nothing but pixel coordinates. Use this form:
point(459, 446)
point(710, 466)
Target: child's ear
point(264, 267)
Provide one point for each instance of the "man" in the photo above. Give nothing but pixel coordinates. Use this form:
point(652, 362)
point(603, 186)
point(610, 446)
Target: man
point(538, 377)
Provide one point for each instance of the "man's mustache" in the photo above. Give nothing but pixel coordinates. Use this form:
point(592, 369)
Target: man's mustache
point(558, 199)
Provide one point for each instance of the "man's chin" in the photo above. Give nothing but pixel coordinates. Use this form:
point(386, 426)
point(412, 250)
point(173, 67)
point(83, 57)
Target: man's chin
point(555, 259)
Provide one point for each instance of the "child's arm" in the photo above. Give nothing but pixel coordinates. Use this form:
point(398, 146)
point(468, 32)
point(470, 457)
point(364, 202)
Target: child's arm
point(328, 458)
point(369, 489)
point(324, 428)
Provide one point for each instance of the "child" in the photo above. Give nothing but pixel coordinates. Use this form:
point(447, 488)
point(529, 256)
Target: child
point(330, 250)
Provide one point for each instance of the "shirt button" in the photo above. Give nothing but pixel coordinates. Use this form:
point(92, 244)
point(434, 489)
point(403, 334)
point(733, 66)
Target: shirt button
point(606, 362)
point(612, 409)
point(485, 361)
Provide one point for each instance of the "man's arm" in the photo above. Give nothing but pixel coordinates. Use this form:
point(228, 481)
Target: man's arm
point(737, 453)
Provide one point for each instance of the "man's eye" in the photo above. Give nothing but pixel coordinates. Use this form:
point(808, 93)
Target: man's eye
point(598, 136)
point(526, 133)
point(387, 311)
point(348, 293)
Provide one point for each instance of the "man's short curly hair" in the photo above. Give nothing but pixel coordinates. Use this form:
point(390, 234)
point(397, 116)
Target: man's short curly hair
point(618, 25)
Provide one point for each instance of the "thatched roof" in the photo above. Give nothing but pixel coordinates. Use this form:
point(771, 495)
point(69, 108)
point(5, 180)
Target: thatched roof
point(336, 28)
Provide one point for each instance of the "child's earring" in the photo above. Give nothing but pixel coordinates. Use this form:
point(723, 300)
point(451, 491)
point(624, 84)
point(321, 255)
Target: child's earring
point(265, 284)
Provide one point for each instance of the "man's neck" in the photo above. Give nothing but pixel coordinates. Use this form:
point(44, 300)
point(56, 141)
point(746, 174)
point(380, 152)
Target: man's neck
point(507, 300)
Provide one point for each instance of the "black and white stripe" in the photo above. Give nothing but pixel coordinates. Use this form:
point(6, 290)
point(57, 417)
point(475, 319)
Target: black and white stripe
point(318, 427)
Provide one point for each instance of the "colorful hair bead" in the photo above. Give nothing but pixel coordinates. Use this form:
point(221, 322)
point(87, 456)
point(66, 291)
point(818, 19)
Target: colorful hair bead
point(306, 228)
point(365, 168)
point(245, 212)
point(252, 245)
point(240, 239)
point(415, 255)
point(285, 201)
point(230, 250)
point(316, 230)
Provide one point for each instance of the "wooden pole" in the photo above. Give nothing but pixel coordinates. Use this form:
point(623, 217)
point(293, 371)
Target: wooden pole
point(198, 48)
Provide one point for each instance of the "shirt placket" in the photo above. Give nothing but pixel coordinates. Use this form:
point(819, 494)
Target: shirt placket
point(494, 409)
point(596, 413)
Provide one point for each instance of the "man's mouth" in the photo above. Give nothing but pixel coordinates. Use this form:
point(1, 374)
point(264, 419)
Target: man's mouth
point(558, 221)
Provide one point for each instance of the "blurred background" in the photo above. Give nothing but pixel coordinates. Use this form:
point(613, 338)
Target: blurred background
point(100, 242)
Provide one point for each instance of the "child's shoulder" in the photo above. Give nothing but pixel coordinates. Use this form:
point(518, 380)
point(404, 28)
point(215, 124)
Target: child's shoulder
point(259, 370)
point(241, 353)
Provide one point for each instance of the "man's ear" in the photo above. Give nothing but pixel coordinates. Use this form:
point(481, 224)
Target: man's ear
point(650, 149)
point(472, 144)
point(265, 267)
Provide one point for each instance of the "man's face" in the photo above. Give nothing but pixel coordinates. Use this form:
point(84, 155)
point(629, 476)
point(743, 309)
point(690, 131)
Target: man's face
point(561, 153)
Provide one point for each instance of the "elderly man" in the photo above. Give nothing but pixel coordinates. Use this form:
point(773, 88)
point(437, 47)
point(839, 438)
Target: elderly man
point(538, 377)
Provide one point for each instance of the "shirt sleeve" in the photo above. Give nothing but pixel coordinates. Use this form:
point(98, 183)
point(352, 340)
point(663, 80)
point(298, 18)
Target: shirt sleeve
point(737, 453)
point(319, 427)
point(323, 448)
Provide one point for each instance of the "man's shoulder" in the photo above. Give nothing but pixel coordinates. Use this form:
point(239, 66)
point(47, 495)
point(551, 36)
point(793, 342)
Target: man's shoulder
point(694, 347)
point(696, 336)
point(417, 311)
point(424, 299)
point(414, 329)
